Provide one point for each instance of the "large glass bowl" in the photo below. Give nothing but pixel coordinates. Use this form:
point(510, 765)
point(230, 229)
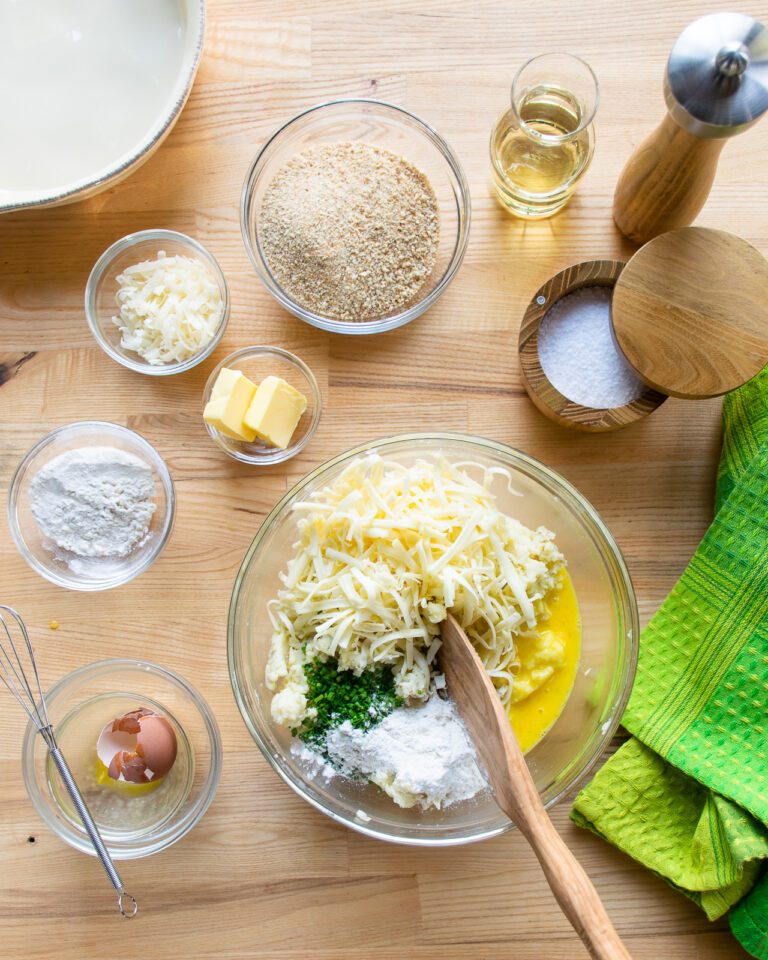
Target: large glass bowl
point(604, 678)
point(383, 125)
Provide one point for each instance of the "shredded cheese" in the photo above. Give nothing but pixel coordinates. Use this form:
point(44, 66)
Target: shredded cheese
point(383, 554)
point(170, 308)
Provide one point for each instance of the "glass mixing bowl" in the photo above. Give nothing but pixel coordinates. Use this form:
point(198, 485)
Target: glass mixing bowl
point(102, 287)
point(382, 125)
point(68, 569)
point(79, 706)
point(610, 630)
point(256, 363)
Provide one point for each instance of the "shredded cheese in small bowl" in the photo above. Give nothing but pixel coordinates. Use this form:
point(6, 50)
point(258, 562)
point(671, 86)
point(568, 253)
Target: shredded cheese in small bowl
point(157, 302)
point(169, 308)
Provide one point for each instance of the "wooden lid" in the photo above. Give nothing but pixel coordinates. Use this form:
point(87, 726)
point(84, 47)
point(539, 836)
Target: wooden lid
point(690, 312)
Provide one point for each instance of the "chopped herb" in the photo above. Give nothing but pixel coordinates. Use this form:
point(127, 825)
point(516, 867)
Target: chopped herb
point(340, 695)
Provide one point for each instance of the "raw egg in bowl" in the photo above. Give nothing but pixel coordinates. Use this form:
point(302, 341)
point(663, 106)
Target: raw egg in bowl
point(144, 749)
point(136, 750)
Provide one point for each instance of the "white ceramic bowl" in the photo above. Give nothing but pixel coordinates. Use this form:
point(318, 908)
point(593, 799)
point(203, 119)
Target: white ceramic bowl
point(89, 90)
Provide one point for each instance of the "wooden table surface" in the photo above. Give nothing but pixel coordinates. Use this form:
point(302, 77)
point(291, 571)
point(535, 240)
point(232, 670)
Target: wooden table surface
point(264, 875)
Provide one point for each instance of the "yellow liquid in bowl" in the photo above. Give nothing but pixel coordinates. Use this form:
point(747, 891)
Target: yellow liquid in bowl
point(532, 717)
point(122, 811)
point(121, 786)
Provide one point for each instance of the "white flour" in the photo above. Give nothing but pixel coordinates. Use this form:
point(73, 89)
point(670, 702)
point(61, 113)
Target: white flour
point(94, 501)
point(418, 755)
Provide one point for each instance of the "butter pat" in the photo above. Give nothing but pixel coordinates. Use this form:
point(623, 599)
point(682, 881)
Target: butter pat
point(275, 411)
point(230, 398)
point(225, 382)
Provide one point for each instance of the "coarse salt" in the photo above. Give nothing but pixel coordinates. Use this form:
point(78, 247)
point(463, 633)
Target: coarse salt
point(578, 353)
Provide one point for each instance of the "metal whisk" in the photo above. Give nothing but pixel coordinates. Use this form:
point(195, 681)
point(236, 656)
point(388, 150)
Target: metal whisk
point(14, 674)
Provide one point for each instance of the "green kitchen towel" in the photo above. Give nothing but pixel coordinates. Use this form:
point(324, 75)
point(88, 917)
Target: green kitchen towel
point(688, 795)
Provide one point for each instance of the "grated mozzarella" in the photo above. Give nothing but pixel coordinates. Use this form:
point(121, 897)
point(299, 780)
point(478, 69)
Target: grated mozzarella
point(383, 554)
point(170, 308)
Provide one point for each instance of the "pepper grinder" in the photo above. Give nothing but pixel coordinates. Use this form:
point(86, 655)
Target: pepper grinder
point(716, 86)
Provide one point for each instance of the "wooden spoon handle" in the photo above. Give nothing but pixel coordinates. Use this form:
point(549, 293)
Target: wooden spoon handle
point(480, 707)
point(573, 890)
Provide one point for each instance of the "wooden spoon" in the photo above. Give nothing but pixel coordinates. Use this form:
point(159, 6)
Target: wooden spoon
point(513, 788)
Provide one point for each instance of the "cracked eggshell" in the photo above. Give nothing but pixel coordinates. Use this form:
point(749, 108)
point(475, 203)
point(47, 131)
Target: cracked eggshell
point(139, 747)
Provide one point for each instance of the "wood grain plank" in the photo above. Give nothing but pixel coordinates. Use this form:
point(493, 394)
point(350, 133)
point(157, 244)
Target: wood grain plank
point(265, 876)
point(244, 47)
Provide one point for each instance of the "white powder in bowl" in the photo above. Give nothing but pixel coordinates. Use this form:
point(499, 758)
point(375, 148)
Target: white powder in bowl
point(94, 501)
point(418, 755)
point(578, 353)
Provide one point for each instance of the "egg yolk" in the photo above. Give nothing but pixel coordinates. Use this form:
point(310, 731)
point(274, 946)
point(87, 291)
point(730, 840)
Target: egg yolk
point(123, 786)
point(549, 661)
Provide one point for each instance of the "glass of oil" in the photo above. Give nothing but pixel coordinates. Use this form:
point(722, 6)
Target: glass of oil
point(542, 145)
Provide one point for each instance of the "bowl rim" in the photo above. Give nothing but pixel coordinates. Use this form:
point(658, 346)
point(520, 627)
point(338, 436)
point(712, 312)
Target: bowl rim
point(193, 817)
point(88, 186)
point(362, 327)
point(621, 681)
point(99, 270)
point(280, 454)
point(19, 473)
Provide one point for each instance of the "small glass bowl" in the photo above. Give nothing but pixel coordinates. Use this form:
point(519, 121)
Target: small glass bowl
point(60, 566)
point(94, 695)
point(102, 287)
point(257, 363)
point(382, 125)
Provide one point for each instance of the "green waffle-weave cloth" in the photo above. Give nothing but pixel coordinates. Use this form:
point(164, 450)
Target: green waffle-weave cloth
point(687, 795)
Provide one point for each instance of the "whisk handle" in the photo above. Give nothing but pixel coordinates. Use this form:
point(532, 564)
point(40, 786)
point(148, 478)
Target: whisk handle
point(126, 904)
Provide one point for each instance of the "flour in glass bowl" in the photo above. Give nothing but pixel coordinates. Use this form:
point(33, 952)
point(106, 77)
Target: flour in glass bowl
point(94, 501)
point(419, 755)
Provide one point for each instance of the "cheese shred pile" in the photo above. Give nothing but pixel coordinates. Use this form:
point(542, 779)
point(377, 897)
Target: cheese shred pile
point(170, 308)
point(383, 554)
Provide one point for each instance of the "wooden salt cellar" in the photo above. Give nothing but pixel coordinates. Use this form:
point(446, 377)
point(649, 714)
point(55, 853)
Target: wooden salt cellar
point(689, 312)
point(549, 400)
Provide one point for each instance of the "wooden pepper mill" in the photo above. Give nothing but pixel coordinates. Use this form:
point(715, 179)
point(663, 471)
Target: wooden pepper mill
point(716, 85)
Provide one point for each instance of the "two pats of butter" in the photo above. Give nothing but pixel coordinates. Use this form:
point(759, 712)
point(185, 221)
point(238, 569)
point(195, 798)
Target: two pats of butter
point(241, 410)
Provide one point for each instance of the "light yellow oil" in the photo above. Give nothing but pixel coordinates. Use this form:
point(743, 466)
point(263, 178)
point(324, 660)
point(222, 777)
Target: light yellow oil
point(532, 717)
point(538, 162)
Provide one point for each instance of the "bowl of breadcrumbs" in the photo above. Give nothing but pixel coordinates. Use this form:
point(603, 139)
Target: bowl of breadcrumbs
point(355, 215)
